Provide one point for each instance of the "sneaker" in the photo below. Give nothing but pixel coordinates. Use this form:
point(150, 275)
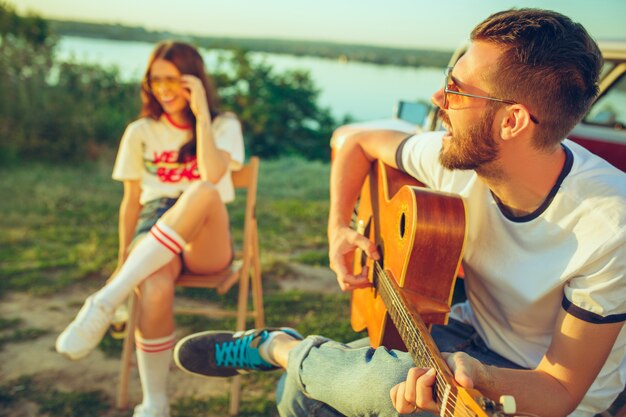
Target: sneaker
point(142, 411)
point(86, 331)
point(222, 353)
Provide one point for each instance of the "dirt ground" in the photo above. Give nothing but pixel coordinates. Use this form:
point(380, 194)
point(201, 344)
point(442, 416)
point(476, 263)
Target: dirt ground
point(96, 372)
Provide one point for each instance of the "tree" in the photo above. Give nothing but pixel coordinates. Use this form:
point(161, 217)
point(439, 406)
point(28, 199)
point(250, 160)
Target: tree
point(279, 111)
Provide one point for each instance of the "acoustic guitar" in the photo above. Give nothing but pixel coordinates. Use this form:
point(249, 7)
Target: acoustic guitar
point(420, 235)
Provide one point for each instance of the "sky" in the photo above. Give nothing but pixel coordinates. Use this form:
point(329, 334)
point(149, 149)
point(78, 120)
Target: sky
point(438, 24)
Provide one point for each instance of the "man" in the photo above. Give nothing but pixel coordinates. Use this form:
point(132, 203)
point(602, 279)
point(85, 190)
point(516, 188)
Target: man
point(545, 257)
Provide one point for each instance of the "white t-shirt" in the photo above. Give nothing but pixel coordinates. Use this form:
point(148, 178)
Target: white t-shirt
point(149, 150)
point(570, 253)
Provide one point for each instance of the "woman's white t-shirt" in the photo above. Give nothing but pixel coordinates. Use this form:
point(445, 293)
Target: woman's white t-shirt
point(149, 152)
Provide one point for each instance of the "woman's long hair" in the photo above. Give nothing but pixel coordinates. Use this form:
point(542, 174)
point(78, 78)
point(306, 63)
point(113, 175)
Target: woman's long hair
point(188, 61)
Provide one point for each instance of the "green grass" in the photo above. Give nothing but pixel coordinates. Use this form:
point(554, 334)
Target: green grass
point(50, 401)
point(59, 229)
point(11, 331)
point(59, 224)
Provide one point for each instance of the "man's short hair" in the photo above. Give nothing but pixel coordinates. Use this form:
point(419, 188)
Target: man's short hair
point(550, 64)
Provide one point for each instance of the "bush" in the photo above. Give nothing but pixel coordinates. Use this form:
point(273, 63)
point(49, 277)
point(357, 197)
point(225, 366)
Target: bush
point(279, 111)
point(63, 113)
point(55, 111)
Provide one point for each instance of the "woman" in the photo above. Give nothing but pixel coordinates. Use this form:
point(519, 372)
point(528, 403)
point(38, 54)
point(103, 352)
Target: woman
point(175, 163)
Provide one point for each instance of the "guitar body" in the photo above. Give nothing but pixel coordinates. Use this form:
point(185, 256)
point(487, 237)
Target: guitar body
point(420, 236)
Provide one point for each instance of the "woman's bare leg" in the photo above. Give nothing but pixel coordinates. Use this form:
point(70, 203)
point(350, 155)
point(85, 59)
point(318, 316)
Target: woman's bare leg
point(201, 218)
point(156, 302)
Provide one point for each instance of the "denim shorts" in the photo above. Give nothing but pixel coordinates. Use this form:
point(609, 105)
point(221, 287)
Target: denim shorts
point(150, 214)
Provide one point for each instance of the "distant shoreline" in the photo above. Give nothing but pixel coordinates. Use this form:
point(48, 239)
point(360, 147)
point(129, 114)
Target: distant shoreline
point(337, 51)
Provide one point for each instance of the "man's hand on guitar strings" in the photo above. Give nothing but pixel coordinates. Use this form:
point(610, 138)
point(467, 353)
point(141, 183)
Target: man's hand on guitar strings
point(416, 392)
point(466, 369)
point(342, 246)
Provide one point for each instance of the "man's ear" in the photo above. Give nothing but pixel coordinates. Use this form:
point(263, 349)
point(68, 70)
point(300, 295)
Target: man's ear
point(515, 121)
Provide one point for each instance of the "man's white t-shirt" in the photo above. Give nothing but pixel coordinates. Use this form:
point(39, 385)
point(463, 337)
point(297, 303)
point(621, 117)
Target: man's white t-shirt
point(519, 272)
point(149, 152)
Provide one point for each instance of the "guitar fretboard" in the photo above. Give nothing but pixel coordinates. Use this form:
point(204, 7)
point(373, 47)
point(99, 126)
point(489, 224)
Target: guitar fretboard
point(413, 332)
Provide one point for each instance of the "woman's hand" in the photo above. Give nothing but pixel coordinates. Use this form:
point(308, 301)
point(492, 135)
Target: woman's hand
point(195, 94)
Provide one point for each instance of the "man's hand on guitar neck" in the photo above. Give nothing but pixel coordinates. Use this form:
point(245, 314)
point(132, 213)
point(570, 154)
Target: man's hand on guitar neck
point(416, 392)
point(343, 242)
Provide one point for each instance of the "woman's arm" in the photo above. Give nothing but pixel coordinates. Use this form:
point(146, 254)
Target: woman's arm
point(212, 162)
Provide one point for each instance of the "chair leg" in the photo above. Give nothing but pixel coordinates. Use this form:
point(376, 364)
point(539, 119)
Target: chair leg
point(235, 395)
point(127, 353)
point(235, 383)
point(257, 288)
point(244, 292)
point(242, 309)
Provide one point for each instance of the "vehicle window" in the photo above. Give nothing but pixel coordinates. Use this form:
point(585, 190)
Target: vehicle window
point(412, 111)
point(610, 109)
point(606, 68)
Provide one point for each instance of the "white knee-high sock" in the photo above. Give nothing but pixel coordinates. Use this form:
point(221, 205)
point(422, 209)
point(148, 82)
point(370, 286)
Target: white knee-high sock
point(158, 248)
point(153, 361)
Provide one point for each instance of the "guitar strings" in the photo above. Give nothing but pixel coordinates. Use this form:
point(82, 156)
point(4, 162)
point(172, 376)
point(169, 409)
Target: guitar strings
point(418, 342)
point(451, 401)
point(405, 321)
point(404, 324)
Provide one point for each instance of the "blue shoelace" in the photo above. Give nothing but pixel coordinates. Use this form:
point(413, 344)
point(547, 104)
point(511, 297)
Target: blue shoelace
point(239, 354)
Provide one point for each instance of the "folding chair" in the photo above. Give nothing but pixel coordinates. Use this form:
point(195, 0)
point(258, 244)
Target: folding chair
point(245, 269)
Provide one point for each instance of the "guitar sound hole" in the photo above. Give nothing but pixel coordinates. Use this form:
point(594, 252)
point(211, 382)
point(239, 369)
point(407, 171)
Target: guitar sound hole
point(402, 225)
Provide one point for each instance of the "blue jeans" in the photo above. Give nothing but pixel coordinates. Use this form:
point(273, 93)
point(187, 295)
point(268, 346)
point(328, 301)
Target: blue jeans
point(330, 379)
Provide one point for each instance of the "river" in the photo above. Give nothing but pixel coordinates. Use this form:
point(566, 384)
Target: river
point(364, 91)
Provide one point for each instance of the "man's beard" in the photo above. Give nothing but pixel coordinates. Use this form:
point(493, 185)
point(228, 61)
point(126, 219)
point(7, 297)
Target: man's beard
point(473, 148)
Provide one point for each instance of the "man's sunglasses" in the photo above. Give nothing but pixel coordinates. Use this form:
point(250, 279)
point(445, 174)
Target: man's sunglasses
point(450, 87)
